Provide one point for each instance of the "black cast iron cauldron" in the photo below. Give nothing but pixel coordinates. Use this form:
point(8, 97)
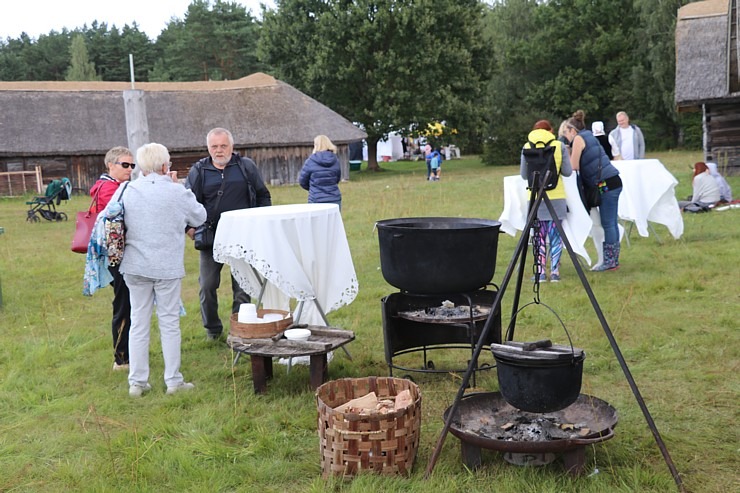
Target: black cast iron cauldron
point(438, 255)
point(538, 379)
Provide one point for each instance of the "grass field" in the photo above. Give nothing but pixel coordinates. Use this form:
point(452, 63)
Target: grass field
point(68, 424)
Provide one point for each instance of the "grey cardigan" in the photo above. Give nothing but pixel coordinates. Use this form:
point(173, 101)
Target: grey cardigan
point(156, 212)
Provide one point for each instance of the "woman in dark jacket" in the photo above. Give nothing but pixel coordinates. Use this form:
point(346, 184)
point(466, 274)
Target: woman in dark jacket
point(588, 157)
point(321, 173)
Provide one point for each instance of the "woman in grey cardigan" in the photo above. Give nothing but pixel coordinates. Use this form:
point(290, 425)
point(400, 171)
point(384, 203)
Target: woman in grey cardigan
point(157, 210)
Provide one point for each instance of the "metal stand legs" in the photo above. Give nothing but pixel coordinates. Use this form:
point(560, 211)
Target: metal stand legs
point(520, 255)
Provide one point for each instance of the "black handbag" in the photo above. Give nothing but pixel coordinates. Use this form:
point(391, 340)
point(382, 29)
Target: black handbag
point(593, 197)
point(204, 236)
point(590, 194)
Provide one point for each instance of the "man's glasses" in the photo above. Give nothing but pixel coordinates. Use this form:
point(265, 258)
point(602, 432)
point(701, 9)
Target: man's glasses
point(126, 165)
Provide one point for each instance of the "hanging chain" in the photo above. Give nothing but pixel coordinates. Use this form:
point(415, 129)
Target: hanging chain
point(537, 269)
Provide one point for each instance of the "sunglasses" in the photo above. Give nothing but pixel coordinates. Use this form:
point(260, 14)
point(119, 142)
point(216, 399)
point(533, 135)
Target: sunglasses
point(126, 165)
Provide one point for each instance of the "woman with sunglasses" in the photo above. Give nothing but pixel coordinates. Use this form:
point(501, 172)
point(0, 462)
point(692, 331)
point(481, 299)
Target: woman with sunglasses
point(119, 163)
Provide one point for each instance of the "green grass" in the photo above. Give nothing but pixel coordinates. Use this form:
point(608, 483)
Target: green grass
point(67, 423)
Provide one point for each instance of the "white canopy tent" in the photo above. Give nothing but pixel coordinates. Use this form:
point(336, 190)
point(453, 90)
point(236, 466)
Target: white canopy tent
point(391, 147)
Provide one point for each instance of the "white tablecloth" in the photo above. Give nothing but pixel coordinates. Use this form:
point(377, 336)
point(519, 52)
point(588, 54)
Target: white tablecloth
point(300, 249)
point(648, 194)
point(577, 223)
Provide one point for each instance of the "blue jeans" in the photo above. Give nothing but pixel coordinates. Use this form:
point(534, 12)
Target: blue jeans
point(608, 214)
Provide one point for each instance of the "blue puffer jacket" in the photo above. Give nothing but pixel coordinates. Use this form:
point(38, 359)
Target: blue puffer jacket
point(592, 155)
point(320, 175)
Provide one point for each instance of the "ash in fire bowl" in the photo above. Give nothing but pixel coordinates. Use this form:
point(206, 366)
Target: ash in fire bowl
point(447, 312)
point(488, 416)
point(525, 427)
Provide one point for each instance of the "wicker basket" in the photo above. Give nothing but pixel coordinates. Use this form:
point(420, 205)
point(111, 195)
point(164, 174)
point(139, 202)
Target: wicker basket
point(259, 331)
point(351, 443)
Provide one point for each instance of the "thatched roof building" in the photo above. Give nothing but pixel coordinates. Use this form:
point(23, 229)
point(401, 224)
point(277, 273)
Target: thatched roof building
point(67, 127)
point(707, 77)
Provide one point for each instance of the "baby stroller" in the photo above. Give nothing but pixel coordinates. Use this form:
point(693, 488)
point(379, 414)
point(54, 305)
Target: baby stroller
point(45, 206)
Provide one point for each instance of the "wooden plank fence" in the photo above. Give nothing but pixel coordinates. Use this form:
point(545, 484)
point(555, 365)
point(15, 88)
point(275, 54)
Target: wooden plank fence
point(17, 183)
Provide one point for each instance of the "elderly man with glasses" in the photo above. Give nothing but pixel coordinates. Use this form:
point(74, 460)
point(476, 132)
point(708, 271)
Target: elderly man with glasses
point(223, 181)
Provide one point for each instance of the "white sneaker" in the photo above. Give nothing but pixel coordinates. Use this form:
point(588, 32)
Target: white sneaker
point(121, 367)
point(182, 386)
point(136, 390)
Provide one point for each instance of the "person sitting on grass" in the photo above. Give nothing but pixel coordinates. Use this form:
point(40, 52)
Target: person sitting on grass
point(725, 192)
point(706, 191)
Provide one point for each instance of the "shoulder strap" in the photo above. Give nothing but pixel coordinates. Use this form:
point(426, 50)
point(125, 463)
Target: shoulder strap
point(199, 168)
point(533, 145)
point(94, 201)
point(251, 191)
point(120, 196)
point(219, 194)
point(544, 144)
point(201, 177)
point(243, 168)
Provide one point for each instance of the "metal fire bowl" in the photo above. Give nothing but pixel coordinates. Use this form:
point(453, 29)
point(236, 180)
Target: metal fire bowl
point(597, 415)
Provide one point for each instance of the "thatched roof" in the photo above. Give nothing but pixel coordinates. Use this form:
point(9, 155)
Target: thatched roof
point(704, 8)
point(47, 118)
point(702, 43)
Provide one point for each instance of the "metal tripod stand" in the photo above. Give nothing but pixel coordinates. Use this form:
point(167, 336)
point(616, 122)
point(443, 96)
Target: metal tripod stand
point(538, 195)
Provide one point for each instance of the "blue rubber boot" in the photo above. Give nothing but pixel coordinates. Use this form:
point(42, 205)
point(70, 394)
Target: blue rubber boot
point(611, 257)
point(616, 254)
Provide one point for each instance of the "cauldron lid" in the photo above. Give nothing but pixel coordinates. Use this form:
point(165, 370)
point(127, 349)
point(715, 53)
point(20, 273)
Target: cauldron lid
point(514, 351)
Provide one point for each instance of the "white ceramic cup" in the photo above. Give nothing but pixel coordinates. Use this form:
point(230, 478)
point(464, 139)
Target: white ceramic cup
point(248, 308)
point(247, 313)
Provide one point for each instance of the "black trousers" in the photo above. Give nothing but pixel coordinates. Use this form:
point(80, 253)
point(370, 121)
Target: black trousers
point(210, 281)
point(121, 322)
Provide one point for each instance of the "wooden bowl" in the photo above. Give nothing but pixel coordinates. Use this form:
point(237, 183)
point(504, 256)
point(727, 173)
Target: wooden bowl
point(259, 330)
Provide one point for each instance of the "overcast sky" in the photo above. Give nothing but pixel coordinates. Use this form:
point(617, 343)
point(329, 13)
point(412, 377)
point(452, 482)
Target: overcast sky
point(36, 17)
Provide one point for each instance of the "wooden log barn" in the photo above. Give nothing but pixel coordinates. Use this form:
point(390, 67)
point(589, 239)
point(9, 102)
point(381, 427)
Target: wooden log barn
point(707, 77)
point(63, 129)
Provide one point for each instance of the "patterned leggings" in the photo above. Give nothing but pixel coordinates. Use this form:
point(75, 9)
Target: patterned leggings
point(548, 230)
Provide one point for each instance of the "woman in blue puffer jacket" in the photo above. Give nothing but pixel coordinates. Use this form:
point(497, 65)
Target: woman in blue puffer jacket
point(321, 173)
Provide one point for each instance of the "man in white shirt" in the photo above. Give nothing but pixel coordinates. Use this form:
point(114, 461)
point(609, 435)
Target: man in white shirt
point(626, 140)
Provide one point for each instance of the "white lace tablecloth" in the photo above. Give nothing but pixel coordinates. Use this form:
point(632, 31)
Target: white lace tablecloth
point(648, 194)
point(300, 249)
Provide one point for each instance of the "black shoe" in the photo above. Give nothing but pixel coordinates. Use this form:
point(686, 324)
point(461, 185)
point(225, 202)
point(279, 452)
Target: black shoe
point(212, 337)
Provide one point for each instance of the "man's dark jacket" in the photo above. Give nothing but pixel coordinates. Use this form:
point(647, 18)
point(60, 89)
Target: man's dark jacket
point(244, 187)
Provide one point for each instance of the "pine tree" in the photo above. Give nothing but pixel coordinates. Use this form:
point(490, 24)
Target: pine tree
point(80, 68)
